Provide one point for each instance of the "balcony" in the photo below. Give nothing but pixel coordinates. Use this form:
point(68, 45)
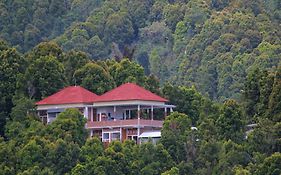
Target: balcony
point(124, 123)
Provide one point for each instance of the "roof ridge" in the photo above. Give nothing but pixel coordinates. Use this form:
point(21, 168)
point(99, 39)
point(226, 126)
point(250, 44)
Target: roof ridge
point(69, 94)
point(130, 91)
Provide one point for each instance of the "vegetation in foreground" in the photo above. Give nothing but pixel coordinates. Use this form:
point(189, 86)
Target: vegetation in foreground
point(218, 146)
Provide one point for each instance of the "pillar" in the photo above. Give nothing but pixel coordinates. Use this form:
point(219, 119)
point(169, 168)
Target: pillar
point(151, 112)
point(165, 112)
point(47, 118)
point(138, 111)
point(92, 114)
point(86, 112)
point(114, 112)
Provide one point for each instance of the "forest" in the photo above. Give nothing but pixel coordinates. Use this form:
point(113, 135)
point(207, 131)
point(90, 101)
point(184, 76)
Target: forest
point(218, 61)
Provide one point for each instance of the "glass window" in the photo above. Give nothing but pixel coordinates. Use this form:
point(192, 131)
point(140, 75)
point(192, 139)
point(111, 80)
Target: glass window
point(116, 136)
point(105, 137)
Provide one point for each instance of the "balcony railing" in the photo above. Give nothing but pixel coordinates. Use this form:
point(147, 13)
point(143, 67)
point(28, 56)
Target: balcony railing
point(125, 123)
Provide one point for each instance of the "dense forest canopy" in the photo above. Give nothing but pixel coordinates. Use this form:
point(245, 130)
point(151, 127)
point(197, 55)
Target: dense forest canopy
point(180, 41)
point(218, 61)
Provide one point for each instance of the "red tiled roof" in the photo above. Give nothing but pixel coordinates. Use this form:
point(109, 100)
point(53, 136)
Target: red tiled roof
point(69, 95)
point(129, 91)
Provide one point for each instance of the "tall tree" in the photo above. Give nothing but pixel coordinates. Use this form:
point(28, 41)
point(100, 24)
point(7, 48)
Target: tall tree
point(12, 66)
point(94, 77)
point(275, 98)
point(73, 61)
point(69, 126)
point(231, 122)
point(43, 77)
point(174, 136)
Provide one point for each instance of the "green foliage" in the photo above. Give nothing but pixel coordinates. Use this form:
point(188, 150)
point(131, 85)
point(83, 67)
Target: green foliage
point(211, 44)
point(44, 76)
point(173, 135)
point(231, 154)
point(223, 49)
point(127, 71)
point(231, 122)
point(23, 106)
point(92, 149)
point(94, 77)
point(45, 49)
point(11, 68)
point(118, 28)
point(26, 23)
point(271, 165)
point(187, 100)
point(275, 98)
point(73, 61)
point(266, 138)
point(173, 171)
point(69, 125)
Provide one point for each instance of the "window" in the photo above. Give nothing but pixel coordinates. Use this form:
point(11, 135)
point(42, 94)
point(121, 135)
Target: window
point(105, 137)
point(115, 136)
point(134, 138)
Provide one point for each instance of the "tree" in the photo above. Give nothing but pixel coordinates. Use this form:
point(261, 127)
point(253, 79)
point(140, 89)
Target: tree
point(156, 67)
point(231, 154)
point(44, 76)
point(231, 122)
point(119, 29)
point(252, 92)
point(11, 68)
point(92, 149)
point(172, 171)
point(97, 48)
point(173, 13)
point(271, 165)
point(94, 77)
point(30, 155)
point(173, 135)
point(127, 71)
point(73, 61)
point(70, 126)
point(152, 84)
point(45, 49)
point(36, 170)
point(62, 155)
point(241, 171)
point(274, 111)
point(187, 100)
point(264, 138)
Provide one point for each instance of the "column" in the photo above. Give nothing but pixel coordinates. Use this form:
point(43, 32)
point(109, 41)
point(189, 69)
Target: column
point(91, 133)
point(47, 118)
point(151, 112)
point(114, 111)
point(138, 111)
point(100, 117)
point(92, 114)
point(120, 134)
point(138, 123)
point(86, 112)
point(165, 112)
point(171, 109)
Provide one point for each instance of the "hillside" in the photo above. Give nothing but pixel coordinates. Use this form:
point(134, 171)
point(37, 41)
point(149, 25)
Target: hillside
point(217, 61)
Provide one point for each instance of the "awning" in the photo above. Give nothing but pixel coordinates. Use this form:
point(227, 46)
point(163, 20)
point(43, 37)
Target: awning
point(150, 134)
